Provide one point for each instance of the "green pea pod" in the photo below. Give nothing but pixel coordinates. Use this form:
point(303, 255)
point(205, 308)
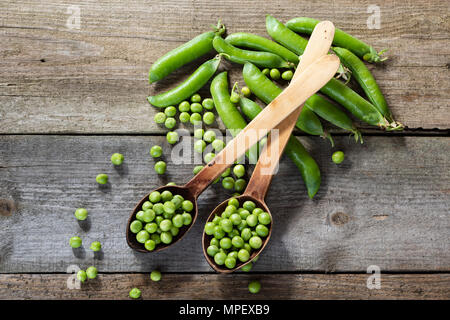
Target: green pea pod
point(307, 166)
point(266, 90)
point(260, 58)
point(281, 34)
point(252, 41)
point(189, 51)
point(190, 86)
point(341, 39)
point(365, 80)
point(357, 105)
point(227, 111)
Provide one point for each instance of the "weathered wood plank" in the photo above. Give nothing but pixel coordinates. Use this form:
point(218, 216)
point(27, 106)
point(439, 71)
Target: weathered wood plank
point(215, 286)
point(93, 80)
point(386, 205)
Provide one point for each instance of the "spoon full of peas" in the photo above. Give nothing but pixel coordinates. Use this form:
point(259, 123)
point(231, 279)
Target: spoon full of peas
point(238, 229)
point(170, 211)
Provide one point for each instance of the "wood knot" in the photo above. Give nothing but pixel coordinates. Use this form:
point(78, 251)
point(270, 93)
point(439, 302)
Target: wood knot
point(7, 207)
point(339, 218)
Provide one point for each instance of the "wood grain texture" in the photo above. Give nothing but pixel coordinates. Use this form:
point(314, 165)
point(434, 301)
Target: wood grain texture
point(386, 205)
point(214, 286)
point(93, 80)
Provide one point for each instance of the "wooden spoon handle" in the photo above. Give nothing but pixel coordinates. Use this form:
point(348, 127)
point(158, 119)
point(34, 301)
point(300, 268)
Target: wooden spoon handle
point(308, 82)
point(319, 44)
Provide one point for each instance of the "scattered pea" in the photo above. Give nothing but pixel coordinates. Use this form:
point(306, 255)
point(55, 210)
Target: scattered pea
point(275, 74)
point(135, 293)
point(209, 136)
point(102, 178)
point(208, 104)
point(81, 275)
point(246, 92)
point(198, 133)
point(184, 117)
point(228, 183)
point(196, 107)
point(239, 185)
point(160, 117)
point(91, 272)
point(117, 159)
point(81, 214)
point(160, 167)
point(247, 267)
point(197, 169)
point(172, 137)
point(239, 170)
point(170, 111)
point(196, 98)
point(218, 145)
point(170, 123)
point(96, 246)
point(196, 118)
point(234, 97)
point(184, 106)
point(287, 75)
point(155, 275)
point(254, 286)
point(209, 157)
point(209, 118)
point(156, 151)
point(338, 157)
point(199, 146)
point(75, 242)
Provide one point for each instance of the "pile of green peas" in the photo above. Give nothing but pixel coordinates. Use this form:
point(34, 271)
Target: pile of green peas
point(275, 74)
point(160, 219)
point(237, 233)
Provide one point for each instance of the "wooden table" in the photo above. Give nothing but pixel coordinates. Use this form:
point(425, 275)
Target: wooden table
point(69, 98)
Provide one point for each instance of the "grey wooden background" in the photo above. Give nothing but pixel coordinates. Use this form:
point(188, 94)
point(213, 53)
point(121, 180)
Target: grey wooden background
point(70, 98)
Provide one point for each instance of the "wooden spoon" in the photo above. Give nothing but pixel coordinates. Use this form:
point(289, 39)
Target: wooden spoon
point(308, 82)
point(318, 46)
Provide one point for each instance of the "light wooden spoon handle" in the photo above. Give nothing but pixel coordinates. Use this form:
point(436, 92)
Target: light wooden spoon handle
point(308, 82)
point(319, 44)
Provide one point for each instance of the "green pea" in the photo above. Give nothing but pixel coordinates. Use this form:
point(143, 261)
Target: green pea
point(242, 225)
point(172, 137)
point(218, 145)
point(151, 227)
point(196, 107)
point(142, 236)
point(160, 117)
point(243, 255)
point(174, 231)
point(155, 237)
point(196, 118)
point(230, 262)
point(237, 242)
point(155, 196)
point(236, 219)
point(264, 218)
point(262, 230)
point(140, 215)
point(209, 157)
point(196, 98)
point(338, 157)
point(247, 247)
point(232, 254)
point(239, 170)
point(239, 185)
point(214, 242)
point(218, 232)
point(234, 97)
point(225, 215)
point(257, 211)
point(155, 275)
point(226, 225)
point(166, 195)
point(96, 246)
point(225, 243)
point(266, 71)
point(197, 169)
point(170, 111)
point(81, 214)
point(198, 133)
point(170, 123)
point(91, 272)
point(117, 159)
point(254, 286)
point(230, 208)
point(166, 237)
point(212, 250)
point(209, 136)
point(255, 242)
point(149, 215)
point(208, 104)
point(150, 245)
point(184, 117)
point(246, 92)
point(226, 173)
point(165, 225)
point(247, 267)
point(287, 75)
point(169, 207)
point(102, 178)
point(199, 146)
point(135, 293)
point(160, 167)
point(147, 205)
point(159, 219)
point(217, 220)
point(209, 228)
point(75, 242)
point(209, 118)
point(171, 184)
point(249, 205)
point(233, 202)
point(228, 183)
point(187, 205)
point(246, 234)
point(81, 275)
point(233, 233)
point(243, 213)
point(156, 151)
point(275, 74)
point(184, 106)
point(219, 258)
point(187, 218)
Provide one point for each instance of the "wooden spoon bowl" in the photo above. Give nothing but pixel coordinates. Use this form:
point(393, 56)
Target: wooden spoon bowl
point(182, 191)
point(218, 211)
